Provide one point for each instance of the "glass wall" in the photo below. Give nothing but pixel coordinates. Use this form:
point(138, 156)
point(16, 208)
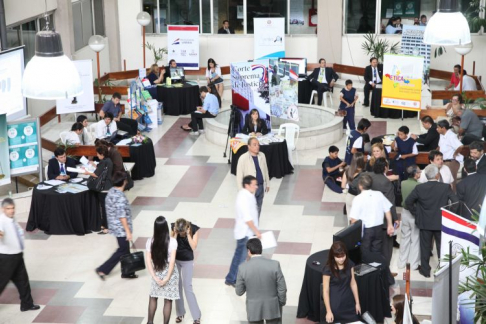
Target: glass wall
point(88, 19)
point(303, 17)
point(360, 16)
point(231, 10)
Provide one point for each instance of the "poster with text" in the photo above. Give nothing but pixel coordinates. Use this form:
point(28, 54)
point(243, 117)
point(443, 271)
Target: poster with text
point(250, 88)
point(85, 101)
point(12, 102)
point(412, 44)
point(269, 38)
point(284, 86)
point(4, 163)
point(23, 142)
point(183, 46)
point(402, 82)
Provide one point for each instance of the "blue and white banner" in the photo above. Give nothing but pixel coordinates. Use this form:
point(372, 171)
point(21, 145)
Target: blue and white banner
point(183, 46)
point(269, 37)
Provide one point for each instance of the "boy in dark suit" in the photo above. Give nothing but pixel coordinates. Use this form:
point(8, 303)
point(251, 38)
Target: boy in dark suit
point(373, 75)
point(323, 79)
point(58, 165)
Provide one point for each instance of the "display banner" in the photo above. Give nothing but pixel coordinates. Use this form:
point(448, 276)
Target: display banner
point(402, 82)
point(24, 147)
point(284, 87)
point(85, 101)
point(183, 46)
point(412, 44)
point(464, 236)
point(4, 163)
point(440, 292)
point(250, 88)
point(269, 37)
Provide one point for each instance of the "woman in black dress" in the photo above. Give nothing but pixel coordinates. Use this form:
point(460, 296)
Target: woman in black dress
point(254, 125)
point(339, 287)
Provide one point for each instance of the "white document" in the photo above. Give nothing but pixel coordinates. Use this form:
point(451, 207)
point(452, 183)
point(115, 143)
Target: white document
point(268, 240)
point(126, 141)
point(55, 182)
point(375, 264)
point(84, 160)
point(77, 170)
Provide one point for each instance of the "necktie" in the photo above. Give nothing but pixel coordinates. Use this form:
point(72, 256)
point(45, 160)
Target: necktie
point(62, 169)
point(108, 130)
point(19, 237)
point(374, 75)
point(82, 138)
point(321, 75)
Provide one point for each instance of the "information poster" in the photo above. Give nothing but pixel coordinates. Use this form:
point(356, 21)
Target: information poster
point(23, 146)
point(402, 82)
point(412, 44)
point(269, 38)
point(85, 101)
point(4, 163)
point(284, 87)
point(250, 88)
point(183, 46)
point(12, 102)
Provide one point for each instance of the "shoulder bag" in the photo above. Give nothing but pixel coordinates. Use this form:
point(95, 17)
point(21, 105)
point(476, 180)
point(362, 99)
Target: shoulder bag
point(98, 184)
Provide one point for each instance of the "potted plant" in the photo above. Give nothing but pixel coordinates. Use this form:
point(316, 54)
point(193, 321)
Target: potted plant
point(157, 52)
point(377, 47)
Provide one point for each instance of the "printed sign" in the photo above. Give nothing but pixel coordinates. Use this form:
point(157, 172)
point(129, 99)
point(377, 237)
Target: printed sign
point(183, 46)
point(23, 146)
point(85, 101)
point(269, 38)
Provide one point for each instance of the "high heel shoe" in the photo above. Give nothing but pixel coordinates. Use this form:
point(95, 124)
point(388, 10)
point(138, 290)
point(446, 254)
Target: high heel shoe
point(179, 319)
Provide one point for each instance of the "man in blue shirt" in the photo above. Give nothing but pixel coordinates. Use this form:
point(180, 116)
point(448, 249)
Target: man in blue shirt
point(125, 124)
point(209, 109)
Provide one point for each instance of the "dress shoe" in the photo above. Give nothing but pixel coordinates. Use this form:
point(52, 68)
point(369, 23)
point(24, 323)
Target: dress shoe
point(365, 105)
point(229, 284)
point(423, 274)
point(100, 274)
point(33, 307)
point(396, 244)
point(129, 276)
point(394, 274)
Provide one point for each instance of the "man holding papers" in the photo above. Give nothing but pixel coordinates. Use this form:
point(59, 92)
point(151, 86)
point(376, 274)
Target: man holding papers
point(58, 165)
point(209, 109)
point(246, 225)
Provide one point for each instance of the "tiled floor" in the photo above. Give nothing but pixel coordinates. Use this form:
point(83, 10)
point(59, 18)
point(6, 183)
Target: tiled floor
point(191, 182)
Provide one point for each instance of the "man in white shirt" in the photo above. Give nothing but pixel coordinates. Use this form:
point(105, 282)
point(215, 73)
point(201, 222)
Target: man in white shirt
point(105, 127)
point(72, 137)
point(12, 266)
point(450, 146)
point(445, 175)
point(246, 225)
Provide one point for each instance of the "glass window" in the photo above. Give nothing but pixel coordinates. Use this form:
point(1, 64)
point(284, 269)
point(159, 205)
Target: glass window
point(231, 10)
point(408, 12)
point(29, 29)
point(264, 9)
point(178, 12)
point(206, 16)
point(300, 11)
point(42, 22)
point(13, 37)
point(150, 6)
point(83, 23)
point(360, 16)
point(78, 26)
point(99, 17)
point(471, 10)
point(87, 20)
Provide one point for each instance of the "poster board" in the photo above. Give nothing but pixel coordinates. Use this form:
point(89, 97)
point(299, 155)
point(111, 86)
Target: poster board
point(183, 46)
point(402, 82)
point(4, 160)
point(269, 38)
point(85, 101)
point(412, 44)
point(284, 87)
point(12, 102)
point(440, 292)
point(24, 146)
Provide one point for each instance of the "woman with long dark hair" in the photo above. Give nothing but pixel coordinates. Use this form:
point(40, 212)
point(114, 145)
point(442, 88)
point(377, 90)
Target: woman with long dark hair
point(161, 254)
point(350, 176)
point(340, 290)
point(397, 308)
point(213, 76)
point(254, 125)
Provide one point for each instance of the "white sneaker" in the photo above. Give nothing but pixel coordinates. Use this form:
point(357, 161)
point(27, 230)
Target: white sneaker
point(194, 133)
point(201, 131)
point(344, 131)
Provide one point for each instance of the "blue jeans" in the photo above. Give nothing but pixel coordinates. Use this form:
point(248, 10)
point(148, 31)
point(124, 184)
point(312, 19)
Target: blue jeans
point(332, 184)
point(259, 194)
point(238, 258)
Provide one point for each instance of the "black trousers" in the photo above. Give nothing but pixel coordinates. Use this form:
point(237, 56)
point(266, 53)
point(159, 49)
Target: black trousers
point(372, 239)
point(102, 198)
point(367, 89)
point(387, 247)
point(426, 246)
point(128, 125)
point(197, 120)
point(469, 138)
point(12, 267)
point(321, 88)
point(123, 249)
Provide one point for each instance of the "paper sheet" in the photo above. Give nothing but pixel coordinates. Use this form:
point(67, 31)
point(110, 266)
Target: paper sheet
point(55, 182)
point(268, 240)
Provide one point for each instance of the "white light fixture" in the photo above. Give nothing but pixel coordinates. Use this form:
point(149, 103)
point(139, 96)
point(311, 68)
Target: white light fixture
point(96, 43)
point(447, 26)
point(144, 18)
point(50, 74)
point(464, 49)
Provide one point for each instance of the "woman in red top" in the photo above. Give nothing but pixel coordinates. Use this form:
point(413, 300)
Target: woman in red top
point(455, 78)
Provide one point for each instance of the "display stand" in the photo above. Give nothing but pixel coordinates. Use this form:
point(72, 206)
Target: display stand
point(138, 99)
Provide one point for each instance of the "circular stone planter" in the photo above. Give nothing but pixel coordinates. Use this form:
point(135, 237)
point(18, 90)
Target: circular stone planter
point(319, 127)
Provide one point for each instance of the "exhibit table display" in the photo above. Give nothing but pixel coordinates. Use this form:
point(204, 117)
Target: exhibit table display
point(179, 100)
point(143, 155)
point(378, 111)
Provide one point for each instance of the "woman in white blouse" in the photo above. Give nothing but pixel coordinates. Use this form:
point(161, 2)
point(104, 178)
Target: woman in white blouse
point(72, 137)
point(161, 253)
point(213, 75)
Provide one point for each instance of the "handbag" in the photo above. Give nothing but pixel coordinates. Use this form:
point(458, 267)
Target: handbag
point(98, 184)
point(132, 262)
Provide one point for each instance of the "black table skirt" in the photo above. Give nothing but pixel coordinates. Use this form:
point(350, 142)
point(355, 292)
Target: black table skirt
point(277, 156)
point(179, 101)
point(67, 213)
point(144, 158)
point(377, 111)
point(304, 91)
point(372, 290)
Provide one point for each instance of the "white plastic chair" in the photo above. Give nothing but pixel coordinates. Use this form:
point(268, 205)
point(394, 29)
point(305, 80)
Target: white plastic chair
point(324, 98)
point(63, 136)
point(45, 172)
point(292, 132)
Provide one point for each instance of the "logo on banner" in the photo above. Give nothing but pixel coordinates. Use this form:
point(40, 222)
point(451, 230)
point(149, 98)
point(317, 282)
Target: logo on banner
point(183, 52)
point(176, 42)
point(269, 22)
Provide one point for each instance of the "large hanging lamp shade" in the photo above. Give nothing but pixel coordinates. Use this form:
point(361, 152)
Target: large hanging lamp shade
point(50, 74)
point(447, 26)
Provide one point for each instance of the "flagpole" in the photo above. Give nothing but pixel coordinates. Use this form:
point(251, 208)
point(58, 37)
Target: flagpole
point(450, 282)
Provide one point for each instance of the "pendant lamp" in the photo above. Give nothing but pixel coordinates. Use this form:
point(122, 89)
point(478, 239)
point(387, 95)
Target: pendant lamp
point(50, 74)
point(447, 26)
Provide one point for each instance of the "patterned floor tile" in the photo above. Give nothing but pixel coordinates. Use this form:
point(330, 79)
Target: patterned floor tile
point(60, 314)
point(293, 248)
point(171, 140)
point(193, 182)
point(148, 201)
point(41, 296)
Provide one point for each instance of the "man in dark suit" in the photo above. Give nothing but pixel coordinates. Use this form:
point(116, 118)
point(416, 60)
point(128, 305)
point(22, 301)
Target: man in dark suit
point(425, 202)
point(472, 189)
point(373, 75)
point(58, 165)
point(430, 140)
point(226, 28)
point(383, 184)
point(476, 151)
point(264, 284)
point(323, 79)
